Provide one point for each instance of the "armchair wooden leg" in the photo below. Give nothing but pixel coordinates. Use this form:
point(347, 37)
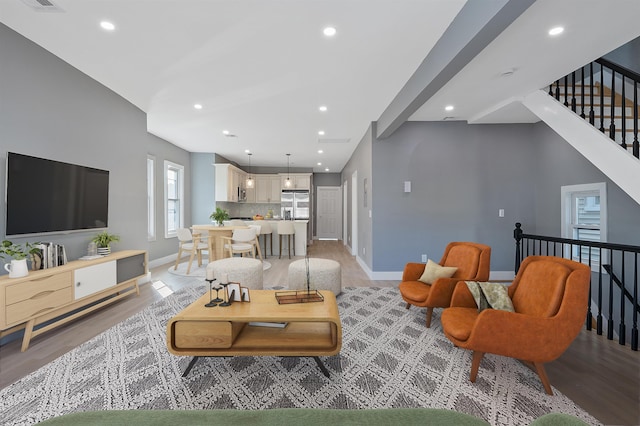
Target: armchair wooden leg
point(408, 306)
point(475, 364)
point(429, 315)
point(543, 377)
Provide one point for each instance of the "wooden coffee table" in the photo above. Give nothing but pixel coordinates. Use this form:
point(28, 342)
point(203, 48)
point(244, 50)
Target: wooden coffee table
point(312, 329)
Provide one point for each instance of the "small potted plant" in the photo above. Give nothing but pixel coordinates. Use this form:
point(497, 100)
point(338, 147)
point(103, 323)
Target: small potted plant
point(103, 240)
point(18, 265)
point(220, 215)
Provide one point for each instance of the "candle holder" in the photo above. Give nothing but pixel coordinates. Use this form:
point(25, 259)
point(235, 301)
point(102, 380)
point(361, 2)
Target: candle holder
point(217, 299)
point(226, 302)
point(212, 302)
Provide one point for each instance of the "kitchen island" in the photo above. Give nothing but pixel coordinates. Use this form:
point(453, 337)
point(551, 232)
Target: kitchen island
point(216, 246)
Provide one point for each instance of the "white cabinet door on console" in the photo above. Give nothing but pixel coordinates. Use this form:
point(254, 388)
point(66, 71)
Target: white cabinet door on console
point(94, 278)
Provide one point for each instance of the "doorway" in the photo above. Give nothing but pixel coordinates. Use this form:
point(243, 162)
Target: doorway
point(329, 211)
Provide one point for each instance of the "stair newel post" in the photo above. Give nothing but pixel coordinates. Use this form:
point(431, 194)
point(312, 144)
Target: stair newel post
point(582, 114)
point(636, 145)
point(517, 235)
point(573, 91)
point(601, 98)
point(612, 126)
point(592, 115)
point(624, 117)
point(566, 91)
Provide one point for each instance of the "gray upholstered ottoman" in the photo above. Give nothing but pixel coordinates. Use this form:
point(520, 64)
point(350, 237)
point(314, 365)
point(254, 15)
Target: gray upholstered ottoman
point(243, 270)
point(324, 274)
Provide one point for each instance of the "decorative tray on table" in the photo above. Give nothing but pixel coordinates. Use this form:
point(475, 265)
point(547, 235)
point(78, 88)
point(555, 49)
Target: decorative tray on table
point(298, 296)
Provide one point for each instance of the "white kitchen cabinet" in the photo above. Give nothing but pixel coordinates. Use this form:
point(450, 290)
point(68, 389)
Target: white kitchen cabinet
point(298, 180)
point(230, 182)
point(267, 189)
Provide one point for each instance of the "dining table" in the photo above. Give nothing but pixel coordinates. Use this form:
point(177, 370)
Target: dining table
point(215, 240)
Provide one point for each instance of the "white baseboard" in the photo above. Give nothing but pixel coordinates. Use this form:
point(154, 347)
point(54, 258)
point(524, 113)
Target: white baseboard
point(163, 260)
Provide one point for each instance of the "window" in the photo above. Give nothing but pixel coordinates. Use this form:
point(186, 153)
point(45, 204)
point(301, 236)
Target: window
point(584, 209)
point(151, 198)
point(173, 198)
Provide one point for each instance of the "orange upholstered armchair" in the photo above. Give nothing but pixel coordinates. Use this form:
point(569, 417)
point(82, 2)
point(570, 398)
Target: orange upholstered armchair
point(472, 263)
point(549, 296)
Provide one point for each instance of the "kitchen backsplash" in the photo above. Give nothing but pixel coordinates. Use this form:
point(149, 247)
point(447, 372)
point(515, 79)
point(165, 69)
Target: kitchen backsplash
point(249, 209)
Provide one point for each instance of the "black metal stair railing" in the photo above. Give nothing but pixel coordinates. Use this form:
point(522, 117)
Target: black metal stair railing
point(614, 266)
point(604, 76)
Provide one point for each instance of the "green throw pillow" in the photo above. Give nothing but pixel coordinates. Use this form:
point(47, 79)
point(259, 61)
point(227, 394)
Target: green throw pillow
point(490, 295)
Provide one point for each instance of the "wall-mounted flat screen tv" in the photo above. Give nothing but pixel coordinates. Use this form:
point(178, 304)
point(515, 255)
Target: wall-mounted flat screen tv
point(46, 196)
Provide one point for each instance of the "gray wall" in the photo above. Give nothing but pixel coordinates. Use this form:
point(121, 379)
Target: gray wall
point(627, 55)
point(203, 180)
point(565, 166)
point(50, 109)
point(360, 162)
point(460, 176)
point(163, 150)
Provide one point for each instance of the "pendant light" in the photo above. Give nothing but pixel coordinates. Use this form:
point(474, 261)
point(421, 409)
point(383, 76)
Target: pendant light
point(287, 183)
point(249, 178)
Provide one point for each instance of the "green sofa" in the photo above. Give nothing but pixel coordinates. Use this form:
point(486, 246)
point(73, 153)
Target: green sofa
point(290, 416)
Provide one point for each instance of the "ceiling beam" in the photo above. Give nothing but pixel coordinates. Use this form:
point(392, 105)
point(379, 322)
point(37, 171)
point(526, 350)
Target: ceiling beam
point(477, 24)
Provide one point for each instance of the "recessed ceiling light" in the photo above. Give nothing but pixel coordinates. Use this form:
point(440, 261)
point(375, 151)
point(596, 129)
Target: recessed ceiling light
point(329, 31)
point(556, 30)
point(326, 170)
point(448, 108)
point(247, 151)
point(106, 25)
point(225, 132)
point(323, 108)
point(319, 164)
point(321, 132)
point(320, 151)
point(197, 106)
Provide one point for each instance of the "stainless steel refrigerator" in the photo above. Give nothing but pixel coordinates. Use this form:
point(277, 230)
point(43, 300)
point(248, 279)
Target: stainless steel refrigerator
point(294, 204)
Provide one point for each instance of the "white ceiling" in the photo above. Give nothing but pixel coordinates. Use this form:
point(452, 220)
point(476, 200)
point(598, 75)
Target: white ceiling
point(261, 68)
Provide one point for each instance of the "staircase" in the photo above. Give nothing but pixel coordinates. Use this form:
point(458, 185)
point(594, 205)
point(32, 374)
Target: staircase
point(591, 92)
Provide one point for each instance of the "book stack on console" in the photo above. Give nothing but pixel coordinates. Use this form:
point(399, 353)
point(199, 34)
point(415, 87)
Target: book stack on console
point(50, 255)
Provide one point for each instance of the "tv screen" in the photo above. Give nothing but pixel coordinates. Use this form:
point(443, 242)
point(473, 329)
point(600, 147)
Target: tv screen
point(46, 196)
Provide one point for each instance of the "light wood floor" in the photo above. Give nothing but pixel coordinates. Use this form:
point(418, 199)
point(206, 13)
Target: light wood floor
point(599, 375)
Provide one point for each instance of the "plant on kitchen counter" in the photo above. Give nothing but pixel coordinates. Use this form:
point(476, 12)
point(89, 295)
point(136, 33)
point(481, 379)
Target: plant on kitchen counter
point(220, 215)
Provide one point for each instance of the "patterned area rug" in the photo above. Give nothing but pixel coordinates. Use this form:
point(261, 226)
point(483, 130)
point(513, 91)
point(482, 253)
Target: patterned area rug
point(388, 359)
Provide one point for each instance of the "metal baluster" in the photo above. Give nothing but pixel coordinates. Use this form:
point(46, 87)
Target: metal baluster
point(624, 116)
point(558, 89)
point(601, 98)
point(588, 324)
point(610, 321)
point(599, 317)
point(622, 329)
point(573, 91)
point(592, 114)
point(582, 114)
point(612, 126)
point(634, 329)
point(636, 145)
point(566, 90)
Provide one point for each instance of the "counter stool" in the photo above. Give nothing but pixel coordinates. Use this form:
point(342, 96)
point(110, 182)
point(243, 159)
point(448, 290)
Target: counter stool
point(324, 274)
point(285, 227)
point(265, 229)
point(243, 270)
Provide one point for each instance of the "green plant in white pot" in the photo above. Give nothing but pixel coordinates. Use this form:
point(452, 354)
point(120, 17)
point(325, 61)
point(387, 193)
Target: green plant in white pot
point(18, 266)
point(103, 240)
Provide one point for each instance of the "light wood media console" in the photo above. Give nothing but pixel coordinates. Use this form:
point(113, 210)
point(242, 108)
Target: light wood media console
point(81, 285)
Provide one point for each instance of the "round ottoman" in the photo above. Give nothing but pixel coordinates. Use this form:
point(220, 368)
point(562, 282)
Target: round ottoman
point(243, 270)
point(324, 274)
